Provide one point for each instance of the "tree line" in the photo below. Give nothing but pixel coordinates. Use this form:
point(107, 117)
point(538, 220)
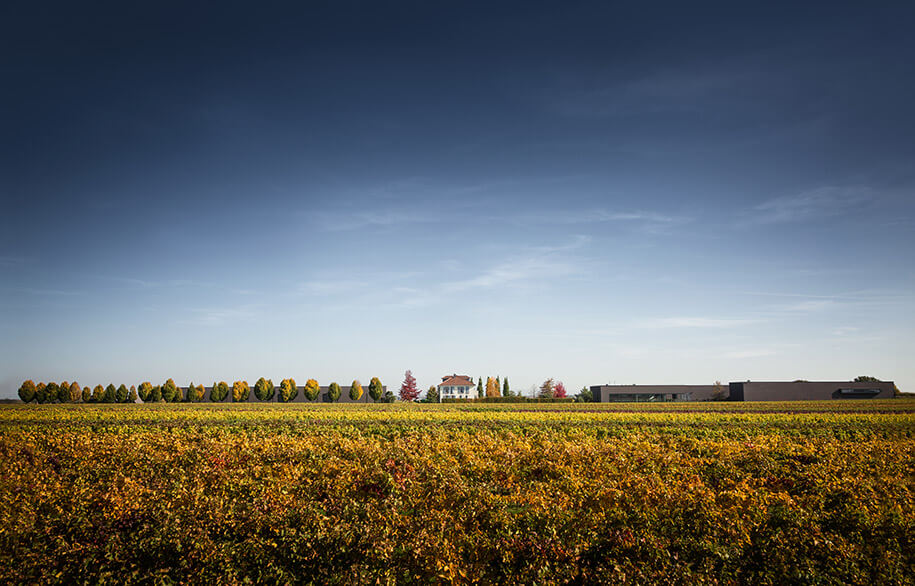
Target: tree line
point(169, 392)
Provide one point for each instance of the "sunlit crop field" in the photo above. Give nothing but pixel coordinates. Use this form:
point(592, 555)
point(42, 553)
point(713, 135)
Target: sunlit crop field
point(553, 493)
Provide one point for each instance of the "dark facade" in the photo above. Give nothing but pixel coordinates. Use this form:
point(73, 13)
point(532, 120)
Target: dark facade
point(810, 391)
point(652, 393)
point(744, 391)
point(299, 398)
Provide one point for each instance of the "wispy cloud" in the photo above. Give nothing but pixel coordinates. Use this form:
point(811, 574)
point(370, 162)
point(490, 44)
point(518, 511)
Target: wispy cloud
point(749, 353)
point(221, 316)
point(815, 203)
point(697, 322)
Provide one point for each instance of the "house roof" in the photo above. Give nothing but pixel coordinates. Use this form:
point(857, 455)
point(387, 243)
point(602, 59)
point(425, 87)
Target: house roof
point(457, 380)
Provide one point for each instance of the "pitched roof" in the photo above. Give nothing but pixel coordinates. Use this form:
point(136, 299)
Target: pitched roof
point(457, 380)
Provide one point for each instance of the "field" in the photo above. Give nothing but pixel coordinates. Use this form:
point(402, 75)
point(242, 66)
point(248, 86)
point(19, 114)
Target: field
point(732, 493)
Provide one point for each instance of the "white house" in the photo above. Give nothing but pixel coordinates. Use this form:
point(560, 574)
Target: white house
point(457, 386)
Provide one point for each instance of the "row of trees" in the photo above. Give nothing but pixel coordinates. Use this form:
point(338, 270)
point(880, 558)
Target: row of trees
point(67, 392)
point(169, 392)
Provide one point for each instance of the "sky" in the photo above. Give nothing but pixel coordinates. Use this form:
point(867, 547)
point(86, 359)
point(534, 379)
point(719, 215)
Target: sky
point(627, 192)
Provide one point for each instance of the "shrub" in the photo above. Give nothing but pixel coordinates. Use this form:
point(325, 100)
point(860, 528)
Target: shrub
point(288, 390)
point(375, 389)
point(50, 393)
point(355, 390)
point(219, 392)
point(312, 389)
point(170, 391)
point(122, 393)
point(111, 394)
point(76, 393)
point(240, 391)
point(333, 391)
point(27, 391)
point(264, 389)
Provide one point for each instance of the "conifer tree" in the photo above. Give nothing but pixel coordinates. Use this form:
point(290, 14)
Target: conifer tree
point(506, 390)
point(408, 390)
point(479, 386)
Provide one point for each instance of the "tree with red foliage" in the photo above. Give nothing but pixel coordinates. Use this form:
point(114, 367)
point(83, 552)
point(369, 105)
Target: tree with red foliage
point(559, 391)
point(408, 390)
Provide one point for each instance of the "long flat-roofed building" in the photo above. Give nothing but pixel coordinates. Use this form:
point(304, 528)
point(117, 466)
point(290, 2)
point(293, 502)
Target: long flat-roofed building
point(810, 391)
point(745, 391)
point(653, 393)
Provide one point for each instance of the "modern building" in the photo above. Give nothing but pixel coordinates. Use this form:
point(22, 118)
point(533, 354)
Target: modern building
point(744, 391)
point(810, 391)
point(457, 386)
point(653, 393)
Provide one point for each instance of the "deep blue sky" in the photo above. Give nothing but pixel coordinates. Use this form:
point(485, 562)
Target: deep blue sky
point(644, 192)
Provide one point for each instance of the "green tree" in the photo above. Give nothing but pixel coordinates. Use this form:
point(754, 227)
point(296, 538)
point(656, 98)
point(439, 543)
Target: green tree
point(145, 391)
point(63, 392)
point(264, 389)
point(111, 394)
point(333, 391)
point(170, 392)
point(376, 389)
point(240, 391)
point(27, 391)
point(584, 396)
point(866, 379)
point(76, 393)
point(480, 392)
point(155, 394)
point(506, 390)
point(388, 397)
point(122, 393)
point(432, 394)
point(194, 393)
point(312, 389)
point(87, 394)
point(132, 397)
point(98, 394)
point(50, 393)
point(219, 392)
point(288, 390)
point(355, 390)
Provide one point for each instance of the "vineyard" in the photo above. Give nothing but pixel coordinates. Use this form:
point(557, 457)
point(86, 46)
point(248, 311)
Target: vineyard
point(719, 493)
